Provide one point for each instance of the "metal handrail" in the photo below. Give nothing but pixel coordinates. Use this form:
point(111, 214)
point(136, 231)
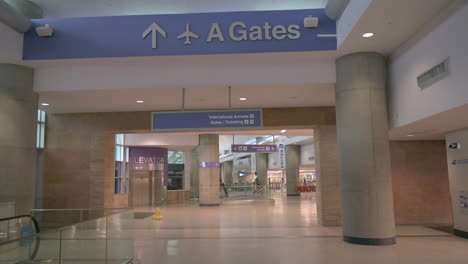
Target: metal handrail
point(36, 235)
point(33, 219)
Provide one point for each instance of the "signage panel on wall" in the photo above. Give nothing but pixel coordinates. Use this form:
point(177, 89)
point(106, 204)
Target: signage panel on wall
point(282, 156)
point(207, 120)
point(238, 148)
point(181, 34)
point(155, 157)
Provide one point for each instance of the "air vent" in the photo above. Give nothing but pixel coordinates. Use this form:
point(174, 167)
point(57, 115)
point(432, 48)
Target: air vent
point(433, 75)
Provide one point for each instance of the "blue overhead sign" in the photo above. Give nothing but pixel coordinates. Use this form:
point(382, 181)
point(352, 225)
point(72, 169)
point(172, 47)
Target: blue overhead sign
point(207, 120)
point(182, 34)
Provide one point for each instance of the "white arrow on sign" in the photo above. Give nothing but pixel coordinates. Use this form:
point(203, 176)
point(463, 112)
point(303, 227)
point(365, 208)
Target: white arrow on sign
point(154, 29)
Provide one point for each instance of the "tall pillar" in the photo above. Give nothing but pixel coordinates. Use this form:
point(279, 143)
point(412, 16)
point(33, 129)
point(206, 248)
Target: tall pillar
point(187, 170)
point(261, 161)
point(18, 121)
point(293, 161)
point(209, 170)
point(228, 172)
point(194, 173)
point(364, 156)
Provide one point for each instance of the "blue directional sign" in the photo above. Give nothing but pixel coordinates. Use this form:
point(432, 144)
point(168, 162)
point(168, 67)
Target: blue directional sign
point(182, 34)
point(207, 120)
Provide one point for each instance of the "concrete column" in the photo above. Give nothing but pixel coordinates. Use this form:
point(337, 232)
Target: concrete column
point(364, 156)
point(194, 173)
point(18, 122)
point(293, 162)
point(228, 172)
point(187, 170)
point(27, 8)
point(262, 167)
point(209, 170)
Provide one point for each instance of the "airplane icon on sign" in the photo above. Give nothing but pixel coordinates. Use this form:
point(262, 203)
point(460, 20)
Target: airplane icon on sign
point(187, 35)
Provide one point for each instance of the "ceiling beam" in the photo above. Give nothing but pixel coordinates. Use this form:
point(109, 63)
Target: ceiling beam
point(335, 8)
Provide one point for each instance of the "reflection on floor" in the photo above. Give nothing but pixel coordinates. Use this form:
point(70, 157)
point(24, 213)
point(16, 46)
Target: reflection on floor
point(283, 232)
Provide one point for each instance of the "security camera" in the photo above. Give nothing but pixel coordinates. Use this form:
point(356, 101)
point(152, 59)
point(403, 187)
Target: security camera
point(45, 31)
point(311, 22)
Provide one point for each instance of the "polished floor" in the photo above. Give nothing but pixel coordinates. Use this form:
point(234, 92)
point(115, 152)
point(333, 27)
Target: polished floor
point(285, 232)
point(282, 232)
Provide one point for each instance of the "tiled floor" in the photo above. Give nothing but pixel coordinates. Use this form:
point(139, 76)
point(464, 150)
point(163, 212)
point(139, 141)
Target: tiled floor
point(284, 232)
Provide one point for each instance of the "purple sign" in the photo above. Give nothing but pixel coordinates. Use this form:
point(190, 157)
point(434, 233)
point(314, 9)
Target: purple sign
point(156, 157)
point(253, 148)
point(209, 164)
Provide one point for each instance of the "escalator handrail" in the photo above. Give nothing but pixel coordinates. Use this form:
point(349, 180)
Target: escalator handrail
point(36, 227)
point(33, 219)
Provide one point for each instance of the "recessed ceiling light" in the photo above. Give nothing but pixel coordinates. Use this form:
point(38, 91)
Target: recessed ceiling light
point(140, 101)
point(410, 135)
point(243, 99)
point(45, 104)
point(283, 131)
point(368, 35)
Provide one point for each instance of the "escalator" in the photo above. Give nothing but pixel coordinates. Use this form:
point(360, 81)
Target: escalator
point(19, 239)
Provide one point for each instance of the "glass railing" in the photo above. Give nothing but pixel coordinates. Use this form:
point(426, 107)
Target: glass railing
point(100, 240)
point(18, 238)
point(58, 218)
point(7, 209)
point(245, 192)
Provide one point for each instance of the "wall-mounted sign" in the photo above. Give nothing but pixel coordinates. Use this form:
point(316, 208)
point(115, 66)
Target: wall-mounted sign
point(460, 162)
point(463, 198)
point(237, 148)
point(282, 156)
point(205, 164)
point(155, 157)
point(181, 34)
point(207, 120)
point(454, 146)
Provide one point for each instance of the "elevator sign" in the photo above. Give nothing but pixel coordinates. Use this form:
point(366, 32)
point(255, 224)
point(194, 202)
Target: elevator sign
point(182, 34)
point(206, 120)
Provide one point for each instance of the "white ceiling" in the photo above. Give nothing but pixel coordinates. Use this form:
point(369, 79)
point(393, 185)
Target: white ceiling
point(259, 96)
point(434, 127)
point(393, 22)
point(80, 8)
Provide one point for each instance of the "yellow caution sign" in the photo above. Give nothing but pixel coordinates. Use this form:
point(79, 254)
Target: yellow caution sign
point(157, 214)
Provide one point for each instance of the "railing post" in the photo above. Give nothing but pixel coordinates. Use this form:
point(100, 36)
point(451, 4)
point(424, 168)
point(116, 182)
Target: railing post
point(60, 246)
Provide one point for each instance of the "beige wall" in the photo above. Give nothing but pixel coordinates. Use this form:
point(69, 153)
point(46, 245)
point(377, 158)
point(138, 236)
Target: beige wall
point(77, 146)
point(420, 182)
point(79, 156)
point(80, 167)
point(328, 185)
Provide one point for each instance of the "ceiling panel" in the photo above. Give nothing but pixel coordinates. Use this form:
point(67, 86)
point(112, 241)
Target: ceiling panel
point(120, 100)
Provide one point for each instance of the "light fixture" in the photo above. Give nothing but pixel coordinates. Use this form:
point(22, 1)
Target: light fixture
point(45, 104)
point(243, 99)
point(410, 135)
point(140, 101)
point(368, 35)
point(283, 131)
